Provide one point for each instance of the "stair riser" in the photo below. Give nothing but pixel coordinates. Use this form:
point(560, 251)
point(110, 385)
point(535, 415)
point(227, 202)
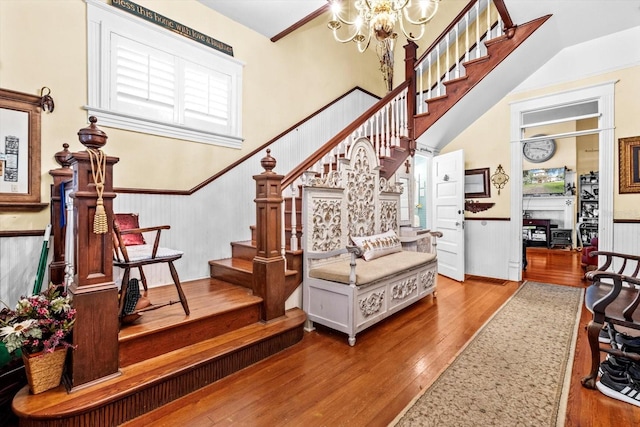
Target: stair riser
point(137, 349)
point(243, 252)
point(224, 273)
point(141, 401)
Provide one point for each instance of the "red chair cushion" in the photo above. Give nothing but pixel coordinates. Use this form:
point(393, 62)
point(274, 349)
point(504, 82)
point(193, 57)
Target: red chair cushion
point(127, 221)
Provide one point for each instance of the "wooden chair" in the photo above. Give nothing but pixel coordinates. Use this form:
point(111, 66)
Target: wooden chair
point(131, 251)
point(613, 298)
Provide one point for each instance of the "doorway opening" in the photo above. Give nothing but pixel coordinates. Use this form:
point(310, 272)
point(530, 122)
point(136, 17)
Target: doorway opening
point(581, 116)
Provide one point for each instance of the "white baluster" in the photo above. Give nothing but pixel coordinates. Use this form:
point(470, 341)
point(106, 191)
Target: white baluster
point(457, 53)
point(376, 127)
point(406, 114)
point(438, 73)
point(69, 241)
point(293, 243)
point(488, 20)
point(478, 29)
point(466, 36)
point(447, 46)
point(421, 88)
point(430, 82)
point(394, 121)
point(283, 239)
point(387, 121)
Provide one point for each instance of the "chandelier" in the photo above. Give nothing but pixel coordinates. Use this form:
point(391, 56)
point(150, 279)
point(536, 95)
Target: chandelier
point(378, 18)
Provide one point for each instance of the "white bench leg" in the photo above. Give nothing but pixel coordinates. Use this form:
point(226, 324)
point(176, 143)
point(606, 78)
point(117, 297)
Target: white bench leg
point(308, 326)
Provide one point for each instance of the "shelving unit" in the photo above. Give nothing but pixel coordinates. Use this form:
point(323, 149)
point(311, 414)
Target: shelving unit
point(588, 208)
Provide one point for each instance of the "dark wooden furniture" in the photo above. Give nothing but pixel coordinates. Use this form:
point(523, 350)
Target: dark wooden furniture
point(540, 231)
point(135, 253)
point(613, 297)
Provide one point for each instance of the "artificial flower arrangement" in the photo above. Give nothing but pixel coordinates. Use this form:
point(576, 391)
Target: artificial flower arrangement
point(40, 323)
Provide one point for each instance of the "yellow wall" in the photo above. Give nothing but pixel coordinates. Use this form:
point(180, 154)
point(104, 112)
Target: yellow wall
point(43, 43)
point(486, 141)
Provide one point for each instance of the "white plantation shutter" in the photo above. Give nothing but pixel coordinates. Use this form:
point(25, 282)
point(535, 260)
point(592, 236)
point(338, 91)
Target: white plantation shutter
point(144, 80)
point(150, 80)
point(207, 97)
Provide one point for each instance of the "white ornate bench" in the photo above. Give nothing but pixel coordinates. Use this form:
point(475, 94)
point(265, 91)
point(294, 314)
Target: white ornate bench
point(352, 215)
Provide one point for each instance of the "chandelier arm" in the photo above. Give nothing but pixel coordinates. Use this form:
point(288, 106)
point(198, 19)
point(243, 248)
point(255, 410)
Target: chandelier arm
point(408, 35)
point(366, 45)
point(422, 21)
point(347, 40)
point(344, 21)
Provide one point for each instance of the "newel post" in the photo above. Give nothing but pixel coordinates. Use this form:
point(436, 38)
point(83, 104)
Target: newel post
point(94, 293)
point(410, 50)
point(268, 264)
point(58, 228)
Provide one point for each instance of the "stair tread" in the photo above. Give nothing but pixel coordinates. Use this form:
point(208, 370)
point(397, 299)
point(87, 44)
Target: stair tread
point(244, 265)
point(141, 374)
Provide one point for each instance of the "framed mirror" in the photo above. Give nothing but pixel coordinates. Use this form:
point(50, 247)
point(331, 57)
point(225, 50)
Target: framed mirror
point(476, 183)
point(19, 151)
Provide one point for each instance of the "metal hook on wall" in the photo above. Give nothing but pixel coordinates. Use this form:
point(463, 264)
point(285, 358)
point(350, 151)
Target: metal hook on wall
point(46, 101)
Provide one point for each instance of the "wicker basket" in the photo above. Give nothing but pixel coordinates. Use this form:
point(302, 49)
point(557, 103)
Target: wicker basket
point(44, 370)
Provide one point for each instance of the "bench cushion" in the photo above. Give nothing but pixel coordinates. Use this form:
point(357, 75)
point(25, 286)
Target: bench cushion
point(371, 271)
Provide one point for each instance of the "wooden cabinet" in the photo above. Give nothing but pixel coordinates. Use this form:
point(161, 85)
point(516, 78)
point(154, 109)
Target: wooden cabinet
point(537, 232)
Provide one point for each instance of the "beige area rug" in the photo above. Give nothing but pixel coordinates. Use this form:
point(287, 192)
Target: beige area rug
point(514, 372)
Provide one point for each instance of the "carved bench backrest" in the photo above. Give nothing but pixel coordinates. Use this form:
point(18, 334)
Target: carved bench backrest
point(353, 201)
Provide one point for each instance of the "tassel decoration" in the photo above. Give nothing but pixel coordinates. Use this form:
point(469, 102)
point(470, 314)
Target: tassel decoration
point(98, 167)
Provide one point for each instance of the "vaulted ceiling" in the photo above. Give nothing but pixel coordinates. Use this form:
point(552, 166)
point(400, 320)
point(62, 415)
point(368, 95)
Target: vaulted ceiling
point(579, 20)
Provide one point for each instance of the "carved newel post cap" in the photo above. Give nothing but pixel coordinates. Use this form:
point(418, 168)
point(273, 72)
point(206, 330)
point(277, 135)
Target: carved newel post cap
point(268, 162)
point(91, 136)
point(63, 157)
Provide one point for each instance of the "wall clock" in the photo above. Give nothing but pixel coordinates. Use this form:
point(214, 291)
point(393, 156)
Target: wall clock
point(539, 151)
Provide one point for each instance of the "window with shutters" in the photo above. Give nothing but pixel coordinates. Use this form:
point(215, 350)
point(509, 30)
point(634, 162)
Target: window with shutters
point(146, 79)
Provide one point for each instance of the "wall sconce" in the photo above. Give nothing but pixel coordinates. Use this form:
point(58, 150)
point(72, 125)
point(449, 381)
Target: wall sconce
point(499, 178)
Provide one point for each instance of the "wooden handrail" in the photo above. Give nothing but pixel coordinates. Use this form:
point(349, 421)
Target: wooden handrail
point(341, 136)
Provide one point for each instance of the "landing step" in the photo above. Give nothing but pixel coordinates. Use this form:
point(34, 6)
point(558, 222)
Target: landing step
point(238, 271)
point(147, 385)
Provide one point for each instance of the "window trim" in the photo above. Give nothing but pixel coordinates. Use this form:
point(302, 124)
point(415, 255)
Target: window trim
point(98, 68)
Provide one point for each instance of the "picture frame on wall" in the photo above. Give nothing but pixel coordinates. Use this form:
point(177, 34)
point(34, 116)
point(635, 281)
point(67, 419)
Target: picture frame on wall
point(476, 183)
point(629, 158)
point(19, 151)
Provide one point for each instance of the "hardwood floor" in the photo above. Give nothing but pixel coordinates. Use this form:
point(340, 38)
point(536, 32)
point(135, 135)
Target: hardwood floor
point(323, 382)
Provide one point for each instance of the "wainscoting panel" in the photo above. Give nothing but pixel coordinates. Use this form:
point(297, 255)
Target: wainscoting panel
point(19, 258)
point(626, 239)
point(487, 248)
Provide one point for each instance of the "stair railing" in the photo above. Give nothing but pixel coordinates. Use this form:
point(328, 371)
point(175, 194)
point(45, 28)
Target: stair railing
point(384, 124)
point(391, 119)
point(462, 41)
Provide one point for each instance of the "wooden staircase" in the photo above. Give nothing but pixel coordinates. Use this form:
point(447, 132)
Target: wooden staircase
point(477, 69)
point(239, 268)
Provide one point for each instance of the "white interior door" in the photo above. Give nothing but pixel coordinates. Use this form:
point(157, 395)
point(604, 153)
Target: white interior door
point(448, 208)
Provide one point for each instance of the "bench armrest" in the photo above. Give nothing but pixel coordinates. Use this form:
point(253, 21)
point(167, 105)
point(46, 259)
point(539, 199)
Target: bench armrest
point(617, 282)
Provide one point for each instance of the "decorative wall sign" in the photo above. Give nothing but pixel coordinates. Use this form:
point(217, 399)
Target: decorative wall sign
point(170, 24)
point(19, 151)
point(629, 164)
